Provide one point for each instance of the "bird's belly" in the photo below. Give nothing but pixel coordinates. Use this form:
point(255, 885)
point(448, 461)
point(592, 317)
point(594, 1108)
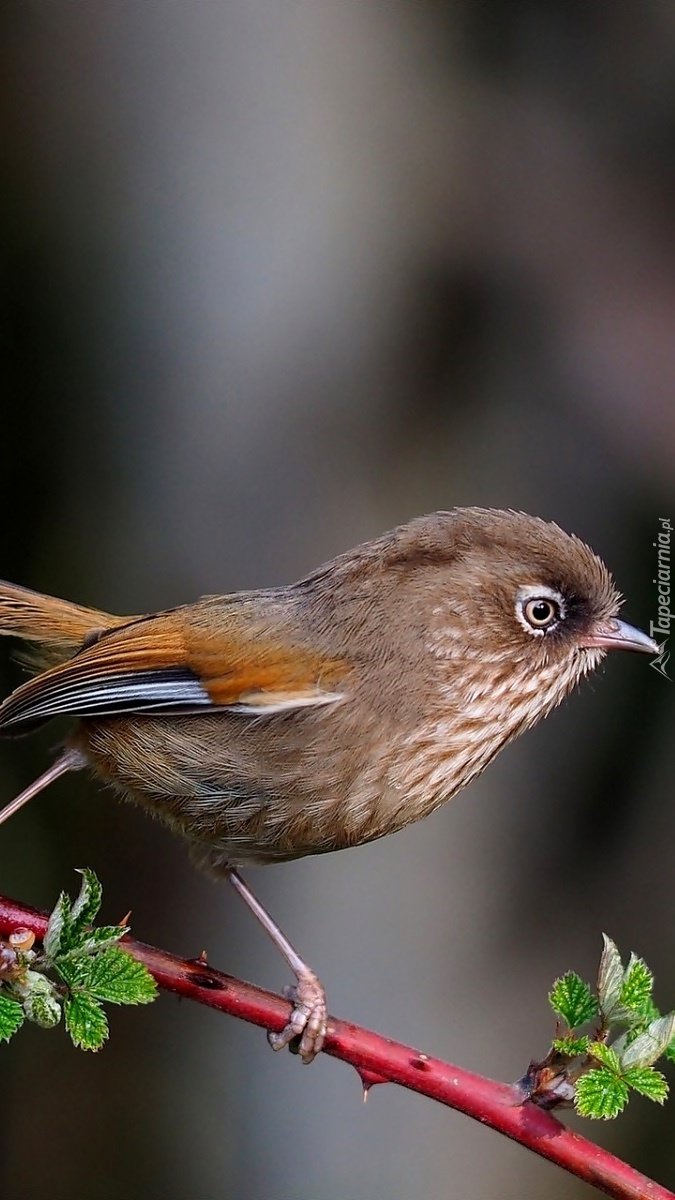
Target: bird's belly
point(210, 782)
point(235, 806)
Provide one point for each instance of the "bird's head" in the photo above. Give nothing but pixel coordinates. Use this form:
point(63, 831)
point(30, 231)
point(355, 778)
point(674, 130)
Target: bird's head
point(525, 607)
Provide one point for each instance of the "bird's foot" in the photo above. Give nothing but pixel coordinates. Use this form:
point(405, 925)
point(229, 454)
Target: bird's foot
point(307, 1024)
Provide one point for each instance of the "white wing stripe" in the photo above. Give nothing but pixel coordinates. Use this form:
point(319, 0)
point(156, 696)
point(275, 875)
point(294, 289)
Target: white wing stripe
point(263, 707)
point(124, 693)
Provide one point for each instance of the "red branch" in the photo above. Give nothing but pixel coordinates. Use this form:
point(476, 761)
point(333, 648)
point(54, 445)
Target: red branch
point(379, 1060)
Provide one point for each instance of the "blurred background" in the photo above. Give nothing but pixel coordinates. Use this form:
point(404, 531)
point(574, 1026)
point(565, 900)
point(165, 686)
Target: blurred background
point(277, 277)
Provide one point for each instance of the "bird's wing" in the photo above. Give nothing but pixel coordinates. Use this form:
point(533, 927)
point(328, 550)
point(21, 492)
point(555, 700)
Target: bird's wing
point(172, 665)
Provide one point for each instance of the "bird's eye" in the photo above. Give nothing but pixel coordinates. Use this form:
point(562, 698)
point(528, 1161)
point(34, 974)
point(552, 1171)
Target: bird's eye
point(541, 612)
point(539, 608)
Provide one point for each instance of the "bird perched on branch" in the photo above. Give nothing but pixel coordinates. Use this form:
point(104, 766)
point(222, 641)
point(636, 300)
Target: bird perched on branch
point(268, 725)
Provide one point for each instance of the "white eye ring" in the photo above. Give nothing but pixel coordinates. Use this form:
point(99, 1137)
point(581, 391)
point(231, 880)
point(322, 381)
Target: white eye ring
point(539, 609)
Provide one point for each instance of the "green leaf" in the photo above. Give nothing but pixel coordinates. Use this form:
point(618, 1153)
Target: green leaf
point(651, 1044)
point(642, 1023)
point(636, 989)
point(58, 928)
point(86, 1021)
point(571, 1047)
point(11, 1017)
point(90, 962)
point(648, 1082)
point(93, 940)
point(605, 1055)
point(600, 1094)
point(88, 903)
point(573, 1000)
point(610, 977)
point(649, 1010)
point(71, 970)
point(112, 975)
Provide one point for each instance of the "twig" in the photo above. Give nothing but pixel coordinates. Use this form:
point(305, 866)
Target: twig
point(379, 1060)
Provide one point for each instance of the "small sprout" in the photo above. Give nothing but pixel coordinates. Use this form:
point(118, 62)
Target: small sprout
point(596, 1072)
point(41, 1002)
point(90, 966)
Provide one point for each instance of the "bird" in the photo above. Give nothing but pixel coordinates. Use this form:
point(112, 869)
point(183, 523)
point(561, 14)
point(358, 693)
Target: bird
point(267, 725)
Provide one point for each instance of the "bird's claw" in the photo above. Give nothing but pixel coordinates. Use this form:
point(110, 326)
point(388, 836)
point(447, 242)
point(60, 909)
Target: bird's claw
point(308, 1020)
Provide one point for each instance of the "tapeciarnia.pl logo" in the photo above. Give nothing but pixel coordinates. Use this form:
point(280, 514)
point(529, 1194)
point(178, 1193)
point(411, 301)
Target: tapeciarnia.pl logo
point(661, 626)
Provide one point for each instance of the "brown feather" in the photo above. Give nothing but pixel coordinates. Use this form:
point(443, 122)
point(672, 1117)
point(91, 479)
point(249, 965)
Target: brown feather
point(58, 627)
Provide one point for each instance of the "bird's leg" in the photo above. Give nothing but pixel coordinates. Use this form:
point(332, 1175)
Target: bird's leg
point(309, 1015)
point(70, 760)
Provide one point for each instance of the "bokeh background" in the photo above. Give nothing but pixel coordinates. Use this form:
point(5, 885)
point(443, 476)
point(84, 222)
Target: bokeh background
point(279, 276)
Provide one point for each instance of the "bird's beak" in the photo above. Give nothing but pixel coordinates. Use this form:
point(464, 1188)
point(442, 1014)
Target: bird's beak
point(617, 635)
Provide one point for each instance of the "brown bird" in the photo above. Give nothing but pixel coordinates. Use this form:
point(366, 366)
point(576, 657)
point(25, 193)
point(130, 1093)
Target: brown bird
point(268, 725)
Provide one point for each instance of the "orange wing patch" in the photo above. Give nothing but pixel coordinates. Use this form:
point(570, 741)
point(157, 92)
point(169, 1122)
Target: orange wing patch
point(246, 667)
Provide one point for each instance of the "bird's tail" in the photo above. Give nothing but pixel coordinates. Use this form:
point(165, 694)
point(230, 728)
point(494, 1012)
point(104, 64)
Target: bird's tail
point(56, 628)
